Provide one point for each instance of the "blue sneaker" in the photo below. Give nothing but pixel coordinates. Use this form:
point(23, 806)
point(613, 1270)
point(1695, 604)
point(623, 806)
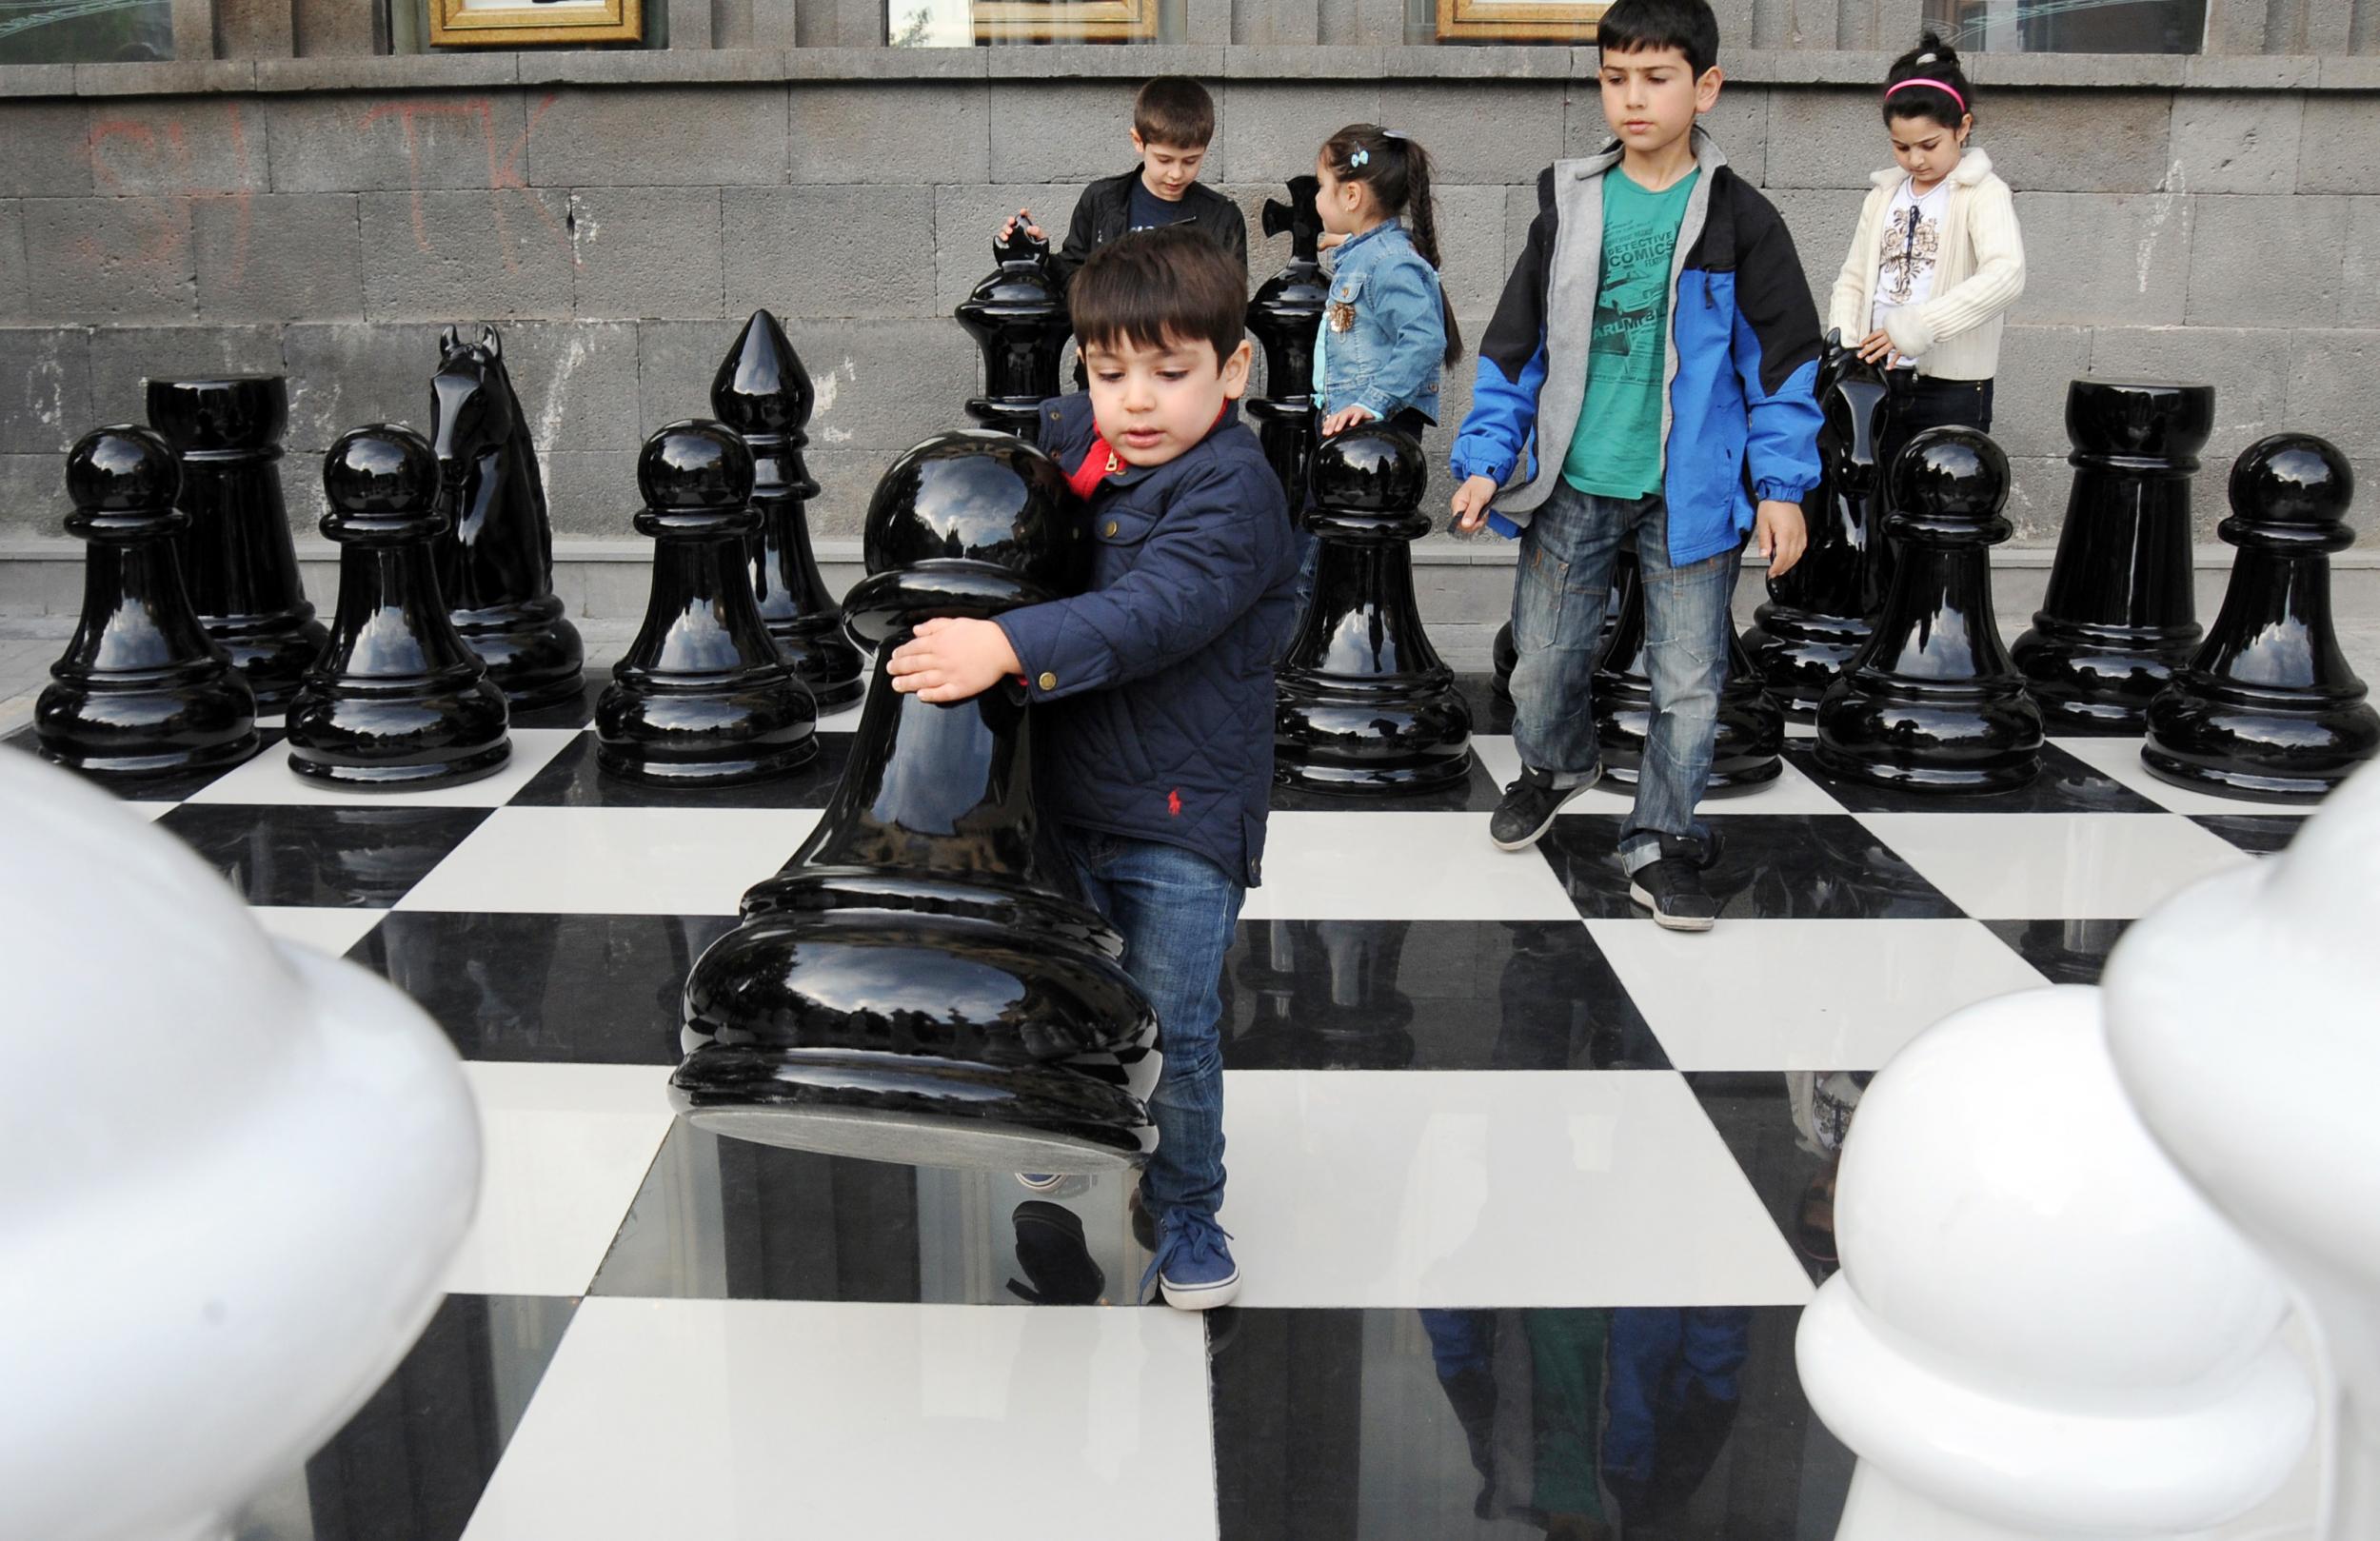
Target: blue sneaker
point(1193, 1266)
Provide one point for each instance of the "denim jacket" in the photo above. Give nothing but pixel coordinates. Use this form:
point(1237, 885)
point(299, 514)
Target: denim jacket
point(1385, 295)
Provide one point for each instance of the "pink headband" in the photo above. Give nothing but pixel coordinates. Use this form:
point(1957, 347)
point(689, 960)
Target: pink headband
point(1937, 84)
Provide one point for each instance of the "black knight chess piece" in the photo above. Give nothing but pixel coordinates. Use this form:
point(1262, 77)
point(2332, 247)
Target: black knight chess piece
point(2268, 707)
point(237, 557)
point(496, 557)
point(2120, 616)
point(913, 986)
point(701, 698)
point(1018, 316)
point(1284, 315)
point(1933, 703)
point(1749, 742)
point(1365, 704)
point(141, 690)
point(398, 702)
point(762, 392)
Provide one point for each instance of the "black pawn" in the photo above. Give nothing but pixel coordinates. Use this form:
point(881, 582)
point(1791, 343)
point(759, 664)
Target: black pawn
point(141, 690)
point(1365, 704)
point(2120, 616)
point(237, 556)
point(398, 702)
point(762, 392)
point(1284, 315)
point(701, 698)
point(2268, 707)
point(1748, 744)
point(1018, 316)
point(1933, 703)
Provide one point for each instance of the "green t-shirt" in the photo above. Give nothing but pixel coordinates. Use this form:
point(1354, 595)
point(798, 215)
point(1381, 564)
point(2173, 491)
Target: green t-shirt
point(1616, 449)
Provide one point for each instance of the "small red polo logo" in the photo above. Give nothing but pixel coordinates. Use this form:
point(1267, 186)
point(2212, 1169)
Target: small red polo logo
point(1173, 802)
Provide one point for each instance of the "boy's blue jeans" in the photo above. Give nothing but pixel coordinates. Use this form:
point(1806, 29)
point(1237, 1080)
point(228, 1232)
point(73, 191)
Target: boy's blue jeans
point(1176, 911)
point(1566, 555)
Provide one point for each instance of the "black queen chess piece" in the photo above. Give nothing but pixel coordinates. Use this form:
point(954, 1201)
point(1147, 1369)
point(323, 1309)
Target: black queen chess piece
point(1747, 748)
point(398, 702)
point(701, 698)
point(1018, 317)
point(141, 690)
point(1284, 315)
point(763, 393)
point(1933, 703)
point(237, 557)
point(915, 986)
point(1365, 704)
point(2268, 707)
point(496, 555)
point(2120, 617)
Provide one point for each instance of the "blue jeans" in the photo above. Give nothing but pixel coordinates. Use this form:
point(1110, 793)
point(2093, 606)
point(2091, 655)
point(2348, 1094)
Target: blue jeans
point(1176, 911)
point(1566, 555)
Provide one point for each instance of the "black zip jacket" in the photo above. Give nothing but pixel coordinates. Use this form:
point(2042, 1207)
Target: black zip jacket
point(1104, 212)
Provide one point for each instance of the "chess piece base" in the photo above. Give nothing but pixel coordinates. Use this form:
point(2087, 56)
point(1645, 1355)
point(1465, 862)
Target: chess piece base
point(2244, 749)
point(273, 651)
point(533, 654)
point(181, 719)
point(1748, 751)
point(1799, 653)
point(664, 736)
point(2090, 678)
point(1958, 743)
point(401, 737)
point(1342, 740)
point(826, 660)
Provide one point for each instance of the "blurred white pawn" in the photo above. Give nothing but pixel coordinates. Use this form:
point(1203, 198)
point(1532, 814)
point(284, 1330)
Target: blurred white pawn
point(2041, 1329)
point(2244, 1017)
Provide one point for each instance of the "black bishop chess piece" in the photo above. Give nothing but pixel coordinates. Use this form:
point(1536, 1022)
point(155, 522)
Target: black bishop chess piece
point(1365, 704)
point(1933, 703)
point(1018, 316)
point(141, 690)
point(398, 702)
point(701, 698)
point(237, 557)
point(2120, 617)
point(762, 392)
point(496, 556)
point(2268, 707)
point(916, 986)
point(1748, 748)
point(1284, 315)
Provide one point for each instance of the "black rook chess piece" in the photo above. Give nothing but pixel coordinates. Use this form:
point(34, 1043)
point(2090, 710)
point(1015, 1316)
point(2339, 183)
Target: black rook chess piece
point(762, 392)
point(1284, 315)
point(1365, 702)
point(237, 557)
point(1018, 316)
point(2268, 707)
point(496, 556)
point(1748, 744)
point(913, 987)
point(2120, 617)
point(701, 698)
point(141, 690)
point(398, 701)
point(1933, 703)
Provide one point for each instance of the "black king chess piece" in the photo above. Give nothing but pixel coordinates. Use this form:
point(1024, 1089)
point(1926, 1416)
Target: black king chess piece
point(701, 698)
point(1748, 747)
point(2120, 617)
point(1018, 316)
point(237, 557)
point(2268, 707)
point(1933, 703)
point(496, 557)
point(762, 392)
point(398, 702)
point(1365, 704)
point(913, 987)
point(141, 690)
point(1284, 315)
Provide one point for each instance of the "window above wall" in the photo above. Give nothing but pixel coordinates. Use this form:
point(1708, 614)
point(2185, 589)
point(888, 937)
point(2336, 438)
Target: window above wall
point(2070, 26)
point(957, 23)
point(85, 31)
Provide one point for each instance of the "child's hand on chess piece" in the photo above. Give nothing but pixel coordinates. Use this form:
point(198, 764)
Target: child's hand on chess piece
point(1780, 534)
point(950, 658)
point(1471, 502)
point(1345, 418)
point(1022, 216)
point(1876, 347)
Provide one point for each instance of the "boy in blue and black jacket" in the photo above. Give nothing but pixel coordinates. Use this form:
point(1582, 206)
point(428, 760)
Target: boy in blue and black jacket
point(1657, 342)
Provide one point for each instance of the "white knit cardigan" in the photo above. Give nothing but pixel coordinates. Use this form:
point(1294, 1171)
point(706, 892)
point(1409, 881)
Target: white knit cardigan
point(1956, 334)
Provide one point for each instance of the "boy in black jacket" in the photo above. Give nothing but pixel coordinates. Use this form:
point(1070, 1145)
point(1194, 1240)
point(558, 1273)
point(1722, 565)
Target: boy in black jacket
point(1159, 677)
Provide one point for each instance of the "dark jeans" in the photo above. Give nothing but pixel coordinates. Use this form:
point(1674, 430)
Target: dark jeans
point(1913, 403)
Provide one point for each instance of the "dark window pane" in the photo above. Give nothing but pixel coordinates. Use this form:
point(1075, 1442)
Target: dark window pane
point(85, 31)
point(2070, 26)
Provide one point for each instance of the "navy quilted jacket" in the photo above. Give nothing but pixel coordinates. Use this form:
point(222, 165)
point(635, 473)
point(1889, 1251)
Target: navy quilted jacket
point(1158, 679)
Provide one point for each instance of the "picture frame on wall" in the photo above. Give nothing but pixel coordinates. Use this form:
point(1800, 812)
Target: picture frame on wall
point(511, 23)
point(1518, 21)
point(1064, 21)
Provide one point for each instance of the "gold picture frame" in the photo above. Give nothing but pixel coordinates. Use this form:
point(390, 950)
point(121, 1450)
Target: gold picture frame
point(461, 24)
point(1518, 21)
point(1064, 21)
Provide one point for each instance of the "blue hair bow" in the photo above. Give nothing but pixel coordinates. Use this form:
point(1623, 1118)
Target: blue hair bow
point(1361, 157)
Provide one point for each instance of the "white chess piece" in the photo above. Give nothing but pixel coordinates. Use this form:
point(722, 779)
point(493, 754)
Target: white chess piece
point(230, 1176)
point(2041, 1329)
point(2244, 1017)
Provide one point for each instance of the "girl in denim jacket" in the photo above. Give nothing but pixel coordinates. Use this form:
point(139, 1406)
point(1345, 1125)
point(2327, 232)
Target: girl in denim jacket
point(1388, 329)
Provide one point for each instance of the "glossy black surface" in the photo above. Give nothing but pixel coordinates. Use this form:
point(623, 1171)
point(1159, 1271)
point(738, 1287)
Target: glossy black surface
point(1933, 701)
point(1475, 793)
point(701, 698)
point(2268, 707)
point(762, 392)
point(1491, 711)
point(2066, 784)
point(397, 702)
point(496, 559)
point(237, 559)
point(1785, 1131)
point(2120, 616)
point(329, 858)
point(1503, 654)
point(141, 692)
point(2066, 951)
point(1016, 315)
point(2258, 834)
point(572, 779)
point(1774, 867)
point(1751, 724)
point(1365, 704)
point(1285, 314)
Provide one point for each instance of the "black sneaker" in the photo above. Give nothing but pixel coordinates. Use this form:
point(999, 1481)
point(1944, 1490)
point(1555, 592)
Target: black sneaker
point(1670, 886)
point(1529, 806)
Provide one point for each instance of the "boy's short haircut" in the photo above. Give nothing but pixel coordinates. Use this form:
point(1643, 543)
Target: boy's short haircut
point(1175, 112)
point(1163, 287)
point(1687, 26)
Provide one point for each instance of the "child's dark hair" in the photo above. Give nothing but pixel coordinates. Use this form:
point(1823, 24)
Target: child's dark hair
point(1174, 110)
point(1687, 26)
point(1931, 60)
point(1398, 172)
point(1159, 289)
